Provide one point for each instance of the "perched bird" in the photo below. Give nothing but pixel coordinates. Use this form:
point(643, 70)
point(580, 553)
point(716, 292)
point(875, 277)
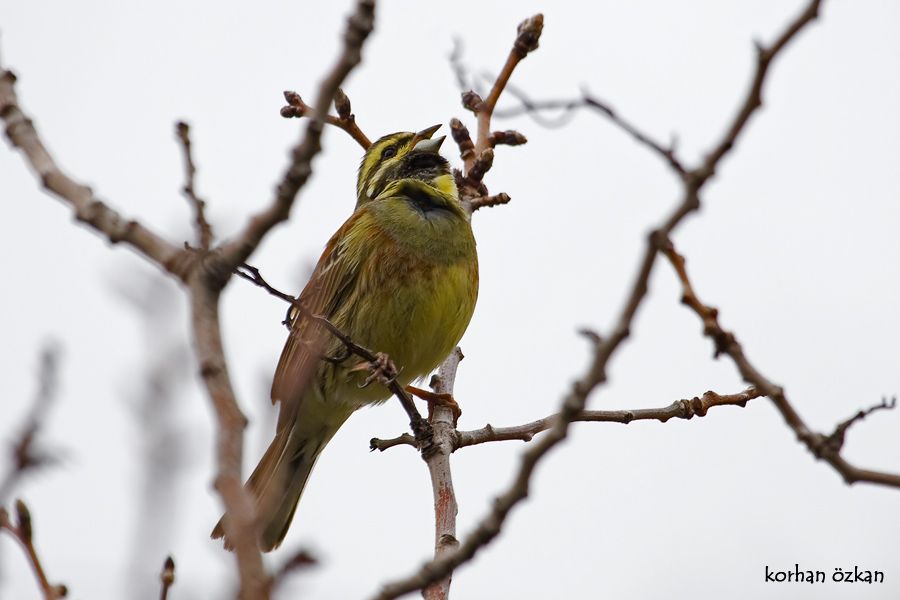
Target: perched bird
point(399, 277)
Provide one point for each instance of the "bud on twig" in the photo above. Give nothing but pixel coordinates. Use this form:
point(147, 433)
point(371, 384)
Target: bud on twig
point(471, 101)
point(529, 32)
point(509, 137)
point(342, 104)
point(23, 516)
point(482, 165)
point(461, 136)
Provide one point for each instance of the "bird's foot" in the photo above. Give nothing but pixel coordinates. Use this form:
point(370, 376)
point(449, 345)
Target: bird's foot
point(382, 370)
point(435, 399)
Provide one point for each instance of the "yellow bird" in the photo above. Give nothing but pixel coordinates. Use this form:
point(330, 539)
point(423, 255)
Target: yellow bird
point(399, 277)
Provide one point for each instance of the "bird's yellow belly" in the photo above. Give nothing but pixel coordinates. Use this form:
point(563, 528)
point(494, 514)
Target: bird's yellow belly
point(417, 324)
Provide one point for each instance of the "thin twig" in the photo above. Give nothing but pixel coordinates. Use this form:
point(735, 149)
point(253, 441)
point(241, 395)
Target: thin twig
point(679, 409)
point(836, 439)
point(23, 532)
point(529, 34)
point(567, 108)
point(823, 447)
point(204, 230)
point(297, 108)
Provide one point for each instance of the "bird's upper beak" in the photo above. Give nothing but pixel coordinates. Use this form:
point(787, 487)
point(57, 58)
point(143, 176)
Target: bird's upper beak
point(422, 141)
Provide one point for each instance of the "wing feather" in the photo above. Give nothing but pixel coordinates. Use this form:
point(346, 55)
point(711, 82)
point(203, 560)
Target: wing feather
point(329, 288)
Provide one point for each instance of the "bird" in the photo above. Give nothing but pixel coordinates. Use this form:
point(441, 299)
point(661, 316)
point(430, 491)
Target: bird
point(399, 277)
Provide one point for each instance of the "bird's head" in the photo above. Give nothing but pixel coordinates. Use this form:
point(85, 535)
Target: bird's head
point(404, 155)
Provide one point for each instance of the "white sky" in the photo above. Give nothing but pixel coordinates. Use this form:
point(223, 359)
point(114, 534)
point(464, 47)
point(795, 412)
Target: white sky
point(797, 243)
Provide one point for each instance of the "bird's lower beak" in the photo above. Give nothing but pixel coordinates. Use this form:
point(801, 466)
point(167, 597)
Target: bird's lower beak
point(422, 140)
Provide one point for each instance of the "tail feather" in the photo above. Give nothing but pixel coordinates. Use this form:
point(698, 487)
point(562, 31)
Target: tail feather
point(278, 481)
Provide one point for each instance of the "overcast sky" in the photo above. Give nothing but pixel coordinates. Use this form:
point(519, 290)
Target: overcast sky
point(797, 243)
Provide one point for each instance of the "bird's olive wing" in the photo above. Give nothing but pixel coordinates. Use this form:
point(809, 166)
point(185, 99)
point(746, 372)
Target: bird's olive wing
point(328, 289)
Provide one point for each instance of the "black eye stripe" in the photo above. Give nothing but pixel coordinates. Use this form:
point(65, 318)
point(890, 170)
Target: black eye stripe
point(389, 152)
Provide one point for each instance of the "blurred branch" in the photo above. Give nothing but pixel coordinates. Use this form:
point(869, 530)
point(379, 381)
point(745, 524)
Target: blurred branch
point(300, 561)
point(166, 578)
point(573, 404)
point(823, 447)
point(23, 532)
point(297, 108)
point(24, 455)
point(204, 231)
point(567, 108)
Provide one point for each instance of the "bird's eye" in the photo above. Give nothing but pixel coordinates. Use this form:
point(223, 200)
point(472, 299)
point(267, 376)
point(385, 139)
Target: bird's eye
point(389, 152)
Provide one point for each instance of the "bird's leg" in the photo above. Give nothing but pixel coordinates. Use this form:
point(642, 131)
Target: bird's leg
point(382, 369)
point(435, 399)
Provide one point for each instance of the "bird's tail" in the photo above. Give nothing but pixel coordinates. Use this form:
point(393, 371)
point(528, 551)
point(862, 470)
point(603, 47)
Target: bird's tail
point(278, 481)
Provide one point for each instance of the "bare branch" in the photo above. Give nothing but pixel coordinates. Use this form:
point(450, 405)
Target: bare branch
point(87, 207)
point(23, 532)
point(823, 447)
point(438, 461)
point(240, 521)
point(359, 26)
point(297, 108)
point(529, 33)
point(680, 409)
point(204, 231)
point(836, 439)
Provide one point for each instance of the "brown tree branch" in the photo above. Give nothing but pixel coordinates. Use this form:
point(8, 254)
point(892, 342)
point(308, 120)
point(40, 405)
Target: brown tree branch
point(574, 402)
point(823, 447)
point(204, 230)
point(529, 34)
point(297, 108)
point(23, 532)
point(438, 461)
point(679, 409)
point(240, 520)
point(166, 578)
point(359, 26)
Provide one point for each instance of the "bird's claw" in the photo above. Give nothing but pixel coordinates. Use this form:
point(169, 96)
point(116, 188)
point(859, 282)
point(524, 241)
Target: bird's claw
point(382, 369)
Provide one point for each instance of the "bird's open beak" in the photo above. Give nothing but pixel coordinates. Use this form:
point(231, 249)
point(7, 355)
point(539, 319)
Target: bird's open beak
point(422, 141)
